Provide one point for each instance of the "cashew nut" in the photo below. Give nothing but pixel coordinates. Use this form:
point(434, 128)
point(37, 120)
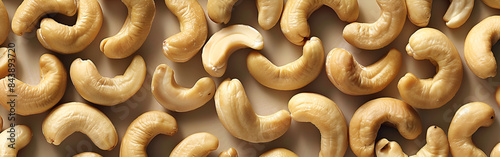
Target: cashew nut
point(432, 44)
point(231, 152)
point(4, 23)
point(492, 3)
point(419, 11)
point(291, 76)
point(477, 47)
point(294, 20)
point(143, 129)
point(237, 116)
point(372, 36)
point(352, 78)
point(196, 145)
point(6, 56)
point(176, 98)
point(368, 118)
point(458, 12)
point(87, 154)
point(226, 41)
point(437, 146)
point(22, 138)
point(134, 31)
point(40, 98)
point(72, 117)
point(326, 116)
point(104, 90)
point(279, 152)
point(496, 151)
point(219, 11)
point(466, 121)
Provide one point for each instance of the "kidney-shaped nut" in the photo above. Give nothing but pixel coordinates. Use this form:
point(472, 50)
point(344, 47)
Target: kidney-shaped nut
point(291, 76)
point(196, 145)
point(492, 3)
point(219, 11)
point(21, 134)
point(231, 152)
point(95, 88)
point(419, 11)
point(352, 78)
point(7, 56)
point(40, 98)
point(176, 98)
point(477, 47)
point(294, 20)
point(458, 12)
point(224, 42)
point(87, 154)
point(143, 129)
point(238, 117)
point(4, 23)
point(437, 146)
point(496, 151)
point(326, 116)
point(279, 152)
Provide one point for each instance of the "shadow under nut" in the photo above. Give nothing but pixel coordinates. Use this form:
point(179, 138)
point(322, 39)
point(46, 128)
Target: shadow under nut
point(419, 11)
point(23, 136)
point(4, 23)
point(196, 145)
point(477, 47)
point(437, 145)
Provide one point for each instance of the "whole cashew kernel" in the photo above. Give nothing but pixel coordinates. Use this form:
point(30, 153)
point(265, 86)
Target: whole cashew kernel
point(458, 12)
point(419, 11)
point(219, 11)
point(477, 47)
point(231, 152)
point(196, 145)
point(6, 57)
point(368, 118)
point(291, 76)
point(352, 78)
point(223, 43)
point(238, 117)
point(87, 154)
point(432, 44)
point(104, 90)
point(492, 3)
point(496, 151)
point(4, 23)
point(279, 152)
point(437, 146)
point(72, 117)
point(326, 116)
point(40, 98)
point(22, 138)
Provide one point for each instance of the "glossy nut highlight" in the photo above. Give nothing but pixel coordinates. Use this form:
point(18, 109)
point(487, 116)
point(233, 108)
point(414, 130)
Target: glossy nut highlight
point(87, 154)
point(219, 11)
point(419, 11)
point(477, 47)
point(496, 151)
point(231, 152)
point(458, 12)
point(22, 138)
point(4, 23)
point(437, 146)
point(279, 152)
point(7, 56)
point(196, 145)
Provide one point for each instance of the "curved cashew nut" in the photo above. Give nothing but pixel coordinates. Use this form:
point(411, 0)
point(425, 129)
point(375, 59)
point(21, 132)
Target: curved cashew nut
point(104, 90)
point(51, 88)
point(492, 3)
point(327, 116)
point(68, 118)
point(182, 46)
point(4, 23)
point(466, 121)
point(196, 145)
point(219, 11)
point(419, 11)
point(134, 31)
point(231, 152)
point(6, 56)
point(437, 145)
point(87, 154)
point(458, 12)
point(372, 36)
point(224, 43)
point(477, 47)
point(176, 98)
point(291, 76)
point(279, 152)
point(22, 138)
point(294, 20)
point(237, 116)
point(143, 129)
point(496, 151)
point(370, 116)
point(352, 78)
point(432, 44)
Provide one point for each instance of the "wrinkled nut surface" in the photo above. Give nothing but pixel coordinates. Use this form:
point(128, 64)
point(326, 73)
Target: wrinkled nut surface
point(294, 19)
point(437, 146)
point(196, 145)
point(143, 129)
point(419, 11)
point(291, 76)
point(72, 117)
point(279, 152)
point(433, 45)
point(352, 78)
point(492, 3)
point(22, 138)
point(477, 47)
point(4, 23)
point(368, 118)
point(238, 117)
point(87, 154)
point(464, 124)
point(496, 151)
point(458, 12)
point(372, 36)
point(104, 90)
point(6, 56)
point(223, 43)
point(326, 116)
point(176, 98)
point(231, 152)
point(270, 11)
point(40, 98)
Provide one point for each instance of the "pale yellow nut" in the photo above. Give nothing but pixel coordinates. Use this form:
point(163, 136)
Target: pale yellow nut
point(477, 47)
point(231, 152)
point(101, 90)
point(182, 46)
point(143, 129)
point(72, 117)
point(219, 11)
point(20, 134)
point(496, 151)
point(464, 124)
point(238, 117)
point(352, 78)
point(4, 23)
point(492, 3)
point(458, 12)
point(87, 154)
point(372, 36)
point(134, 31)
point(294, 19)
point(176, 98)
point(419, 11)
point(368, 118)
point(225, 42)
point(279, 152)
point(196, 145)
point(437, 146)
point(291, 76)
point(326, 116)
point(433, 45)
point(7, 56)
point(40, 98)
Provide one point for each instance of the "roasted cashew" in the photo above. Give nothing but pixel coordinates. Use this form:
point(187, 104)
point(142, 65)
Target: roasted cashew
point(143, 129)
point(458, 12)
point(294, 20)
point(231, 152)
point(419, 11)
point(432, 44)
point(226, 41)
point(496, 151)
point(326, 116)
point(134, 31)
point(22, 138)
point(477, 47)
point(72, 117)
point(492, 3)
point(40, 98)
point(219, 11)
point(437, 146)
point(372, 36)
point(104, 90)
point(367, 119)
point(6, 56)
point(291, 76)
point(279, 152)
point(196, 145)
point(466, 121)
point(352, 78)
point(87, 154)
point(237, 116)
point(4, 23)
